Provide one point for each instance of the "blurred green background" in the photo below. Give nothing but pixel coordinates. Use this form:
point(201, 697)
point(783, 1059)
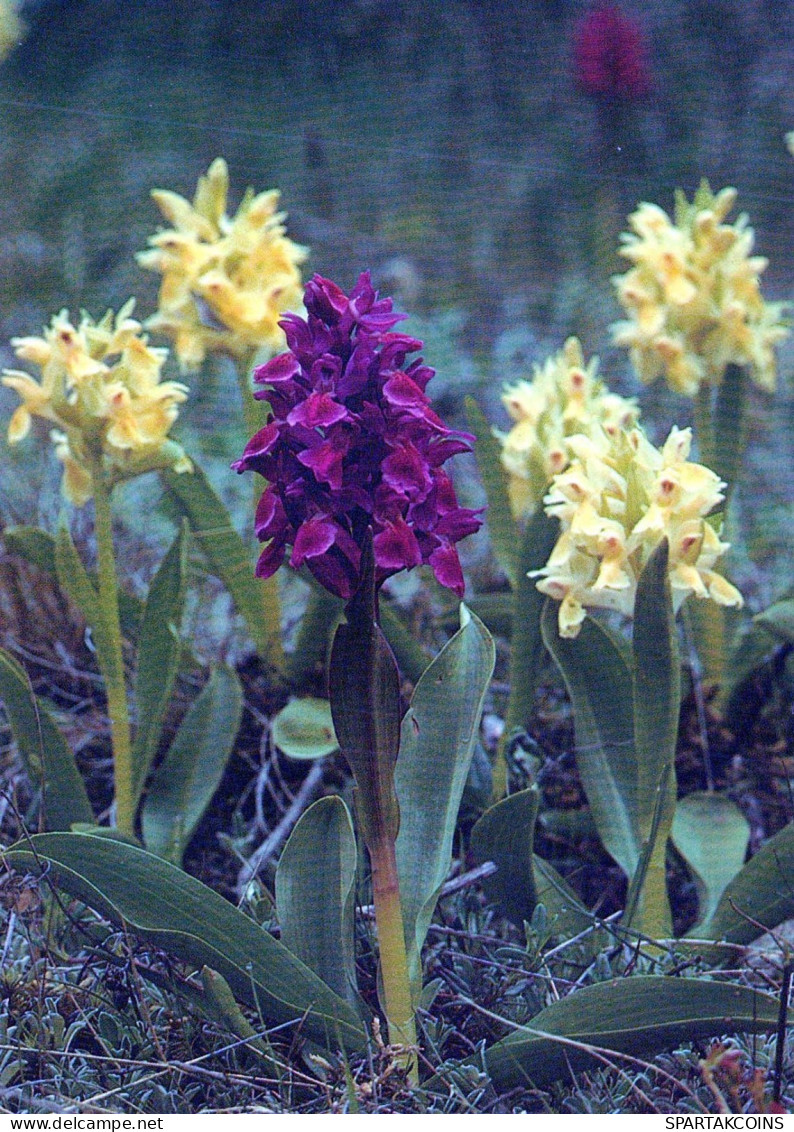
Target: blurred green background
point(450, 147)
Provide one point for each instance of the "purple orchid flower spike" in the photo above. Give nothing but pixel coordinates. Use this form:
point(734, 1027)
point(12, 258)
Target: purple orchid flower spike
point(351, 444)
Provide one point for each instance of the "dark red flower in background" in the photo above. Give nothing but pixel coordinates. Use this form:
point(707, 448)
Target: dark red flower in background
point(351, 444)
point(611, 56)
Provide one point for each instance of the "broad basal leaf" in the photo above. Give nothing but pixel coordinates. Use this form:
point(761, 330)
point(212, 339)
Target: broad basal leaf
point(711, 833)
point(759, 897)
point(641, 1016)
point(527, 649)
point(779, 620)
point(315, 891)
point(74, 580)
point(188, 776)
point(304, 729)
point(505, 835)
point(48, 758)
point(657, 703)
point(364, 691)
point(730, 424)
point(159, 649)
point(437, 740)
point(166, 907)
point(599, 683)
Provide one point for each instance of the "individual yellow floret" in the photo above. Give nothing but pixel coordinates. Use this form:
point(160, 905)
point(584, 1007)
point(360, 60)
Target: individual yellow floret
point(226, 280)
point(563, 399)
point(693, 295)
point(100, 386)
point(616, 502)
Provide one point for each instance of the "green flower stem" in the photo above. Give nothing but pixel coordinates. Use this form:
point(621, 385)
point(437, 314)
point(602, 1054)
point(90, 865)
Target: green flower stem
point(254, 413)
point(526, 642)
point(393, 958)
point(710, 622)
point(110, 657)
point(322, 614)
point(704, 424)
point(524, 661)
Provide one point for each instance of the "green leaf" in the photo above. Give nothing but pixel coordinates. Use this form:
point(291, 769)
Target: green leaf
point(315, 894)
point(711, 834)
point(438, 736)
point(322, 614)
point(641, 1016)
point(411, 656)
point(188, 776)
point(74, 581)
point(778, 620)
point(34, 545)
point(742, 664)
point(527, 642)
point(567, 914)
point(169, 909)
point(38, 548)
point(364, 689)
point(505, 834)
point(599, 684)
point(47, 756)
point(304, 729)
point(159, 650)
point(221, 1005)
point(657, 704)
point(503, 529)
point(93, 830)
point(223, 548)
point(759, 898)
point(495, 610)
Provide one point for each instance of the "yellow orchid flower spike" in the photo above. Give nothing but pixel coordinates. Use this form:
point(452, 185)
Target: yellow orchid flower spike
point(100, 386)
point(564, 399)
point(693, 295)
point(226, 281)
point(617, 500)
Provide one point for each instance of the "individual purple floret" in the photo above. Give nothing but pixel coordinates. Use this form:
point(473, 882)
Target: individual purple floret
point(351, 443)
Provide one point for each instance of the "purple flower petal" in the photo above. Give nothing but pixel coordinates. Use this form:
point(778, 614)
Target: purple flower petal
point(353, 443)
point(324, 299)
point(395, 347)
point(458, 524)
point(281, 368)
point(261, 444)
point(396, 547)
point(406, 470)
point(442, 448)
point(313, 538)
point(405, 395)
point(419, 372)
point(270, 520)
point(362, 295)
point(446, 567)
point(326, 460)
point(270, 559)
point(319, 410)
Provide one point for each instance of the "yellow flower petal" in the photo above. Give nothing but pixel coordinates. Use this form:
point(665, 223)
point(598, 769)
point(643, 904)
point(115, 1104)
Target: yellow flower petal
point(616, 502)
point(692, 295)
point(19, 425)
